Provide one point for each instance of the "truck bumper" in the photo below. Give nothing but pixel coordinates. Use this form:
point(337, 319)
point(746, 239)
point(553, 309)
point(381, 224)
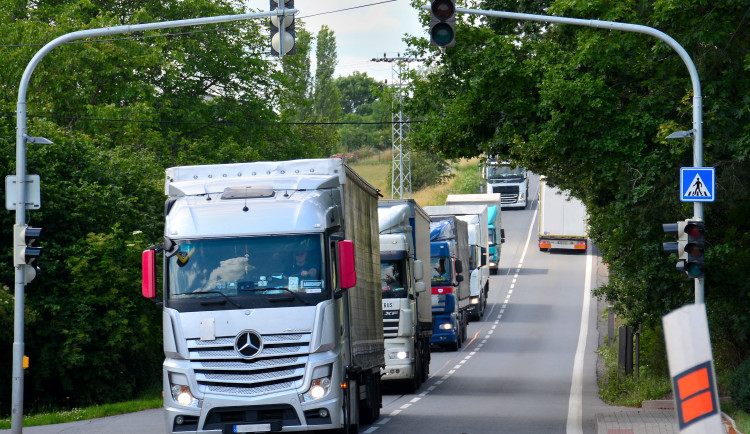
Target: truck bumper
point(397, 368)
point(272, 412)
point(569, 244)
point(441, 333)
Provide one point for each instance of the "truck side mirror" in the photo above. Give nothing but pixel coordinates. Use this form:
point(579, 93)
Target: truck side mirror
point(418, 270)
point(347, 270)
point(148, 264)
point(502, 235)
point(459, 278)
point(459, 266)
point(420, 287)
point(484, 257)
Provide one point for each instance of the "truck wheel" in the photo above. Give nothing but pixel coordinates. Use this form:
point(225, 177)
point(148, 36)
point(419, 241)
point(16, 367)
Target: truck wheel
point(426, 356)
point(369, 409)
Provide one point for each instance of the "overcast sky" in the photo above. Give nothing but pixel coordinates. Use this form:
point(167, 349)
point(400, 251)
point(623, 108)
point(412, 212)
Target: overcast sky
point(362, 33)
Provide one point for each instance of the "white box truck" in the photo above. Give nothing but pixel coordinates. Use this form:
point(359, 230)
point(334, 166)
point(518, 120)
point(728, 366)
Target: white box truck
point(562, 220)
point(476, 218)
point(271, 298)
point(407, 305)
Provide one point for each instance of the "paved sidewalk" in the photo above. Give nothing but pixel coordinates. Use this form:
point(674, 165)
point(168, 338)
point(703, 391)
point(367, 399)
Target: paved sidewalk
point(639, 421)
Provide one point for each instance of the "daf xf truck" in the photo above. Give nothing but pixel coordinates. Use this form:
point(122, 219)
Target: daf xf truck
point(272, 308)
point(407, 305)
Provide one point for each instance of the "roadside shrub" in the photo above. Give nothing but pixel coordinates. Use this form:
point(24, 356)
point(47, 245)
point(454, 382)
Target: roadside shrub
point(739, 387)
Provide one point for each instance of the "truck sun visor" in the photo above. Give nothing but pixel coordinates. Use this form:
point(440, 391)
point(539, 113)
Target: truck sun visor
point(248, 192)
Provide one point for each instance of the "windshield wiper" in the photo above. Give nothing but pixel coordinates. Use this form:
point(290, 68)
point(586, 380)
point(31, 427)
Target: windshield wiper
point(286, 299)
point(206, 303)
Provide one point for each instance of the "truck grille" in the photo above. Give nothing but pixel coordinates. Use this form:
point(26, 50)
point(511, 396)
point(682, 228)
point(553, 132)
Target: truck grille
point(508, 193)
point(390, 323)
point(220, 369)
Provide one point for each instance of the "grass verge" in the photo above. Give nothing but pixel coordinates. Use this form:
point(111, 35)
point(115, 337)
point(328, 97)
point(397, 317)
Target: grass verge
point(147, 401)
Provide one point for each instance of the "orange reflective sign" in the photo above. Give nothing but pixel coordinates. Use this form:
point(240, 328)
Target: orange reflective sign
point(695, 391)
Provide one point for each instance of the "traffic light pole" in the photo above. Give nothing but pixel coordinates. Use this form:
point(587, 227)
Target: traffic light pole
point(21, 140)
point(697, 131)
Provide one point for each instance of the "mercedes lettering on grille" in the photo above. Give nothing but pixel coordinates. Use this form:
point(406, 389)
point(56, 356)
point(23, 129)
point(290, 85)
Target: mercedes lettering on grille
point(248, 344)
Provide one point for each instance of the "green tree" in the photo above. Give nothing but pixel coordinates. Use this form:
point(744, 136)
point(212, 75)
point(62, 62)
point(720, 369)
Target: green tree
point(326, 97)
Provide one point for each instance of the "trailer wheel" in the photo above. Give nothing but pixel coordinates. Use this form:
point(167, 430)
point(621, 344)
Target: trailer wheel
point(369, 408)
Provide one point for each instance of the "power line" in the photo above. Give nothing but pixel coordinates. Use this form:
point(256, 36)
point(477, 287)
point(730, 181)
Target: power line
point(219, 29)
point(228, 123)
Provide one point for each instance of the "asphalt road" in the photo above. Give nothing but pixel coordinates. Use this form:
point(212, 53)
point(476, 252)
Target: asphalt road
point(528, 366)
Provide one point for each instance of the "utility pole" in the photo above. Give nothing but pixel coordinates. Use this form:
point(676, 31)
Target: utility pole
point(401, 166)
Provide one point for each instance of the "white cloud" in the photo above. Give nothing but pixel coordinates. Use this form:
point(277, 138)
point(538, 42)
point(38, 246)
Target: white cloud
point(361, 33)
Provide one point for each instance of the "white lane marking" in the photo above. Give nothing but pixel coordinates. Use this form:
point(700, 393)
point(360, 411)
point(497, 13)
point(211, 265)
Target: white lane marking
point(451, 372)
point(431, 388)
point(413, 400)
point(372, 429)
point(395, 412)
point(384, 421)
point(405, 406)
point(575, 402)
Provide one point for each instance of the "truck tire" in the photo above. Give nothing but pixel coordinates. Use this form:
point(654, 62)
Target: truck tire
point(369, 408)
point(426, 356)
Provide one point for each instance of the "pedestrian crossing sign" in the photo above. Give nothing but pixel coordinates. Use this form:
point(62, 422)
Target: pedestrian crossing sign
point(697, 184)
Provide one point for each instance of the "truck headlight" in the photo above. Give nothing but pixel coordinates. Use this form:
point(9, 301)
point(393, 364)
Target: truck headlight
point(182, 395)
point(446, 326)
point(319, 388)
point(474, 300)
point(400, 355)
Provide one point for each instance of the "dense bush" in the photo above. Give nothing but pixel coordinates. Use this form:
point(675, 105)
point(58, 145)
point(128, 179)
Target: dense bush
point(739, 388)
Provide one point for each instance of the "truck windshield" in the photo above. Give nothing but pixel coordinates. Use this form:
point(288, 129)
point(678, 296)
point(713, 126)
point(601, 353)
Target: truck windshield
point(392, 279)
point(441, 270)
point(251, 272)
point(505, 173)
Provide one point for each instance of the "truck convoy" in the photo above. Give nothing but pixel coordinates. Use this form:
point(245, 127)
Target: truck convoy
point(496, 233)
point(511, 182)
point(562, 220)
point(476, 218)
point(407, 306)
point(272, 308)
point(449, 251)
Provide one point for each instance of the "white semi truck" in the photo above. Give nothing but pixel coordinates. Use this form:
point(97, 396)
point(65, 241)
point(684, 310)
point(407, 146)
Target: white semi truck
point(407, 305)
point(512, 182)
point(272, 306)
point(476, 218)
point(495, 231)
point(562, 220)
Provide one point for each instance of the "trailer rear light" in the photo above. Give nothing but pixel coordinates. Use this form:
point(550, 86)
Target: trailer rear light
point(545, 245)
point(581, 245)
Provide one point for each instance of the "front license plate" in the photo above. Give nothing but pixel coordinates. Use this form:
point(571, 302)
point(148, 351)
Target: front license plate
point(250, 428)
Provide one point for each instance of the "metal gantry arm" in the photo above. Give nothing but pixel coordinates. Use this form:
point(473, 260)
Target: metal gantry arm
point(697, 131)
point(22, 138)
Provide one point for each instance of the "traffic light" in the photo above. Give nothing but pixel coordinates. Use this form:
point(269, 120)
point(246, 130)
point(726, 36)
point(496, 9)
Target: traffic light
point(24, 252)
point(287, 33)
point(695, 267)
point(689, 248)
point(443, 23)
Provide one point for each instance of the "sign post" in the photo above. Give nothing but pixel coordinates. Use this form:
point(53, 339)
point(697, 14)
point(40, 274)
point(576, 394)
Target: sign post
point(691, 368)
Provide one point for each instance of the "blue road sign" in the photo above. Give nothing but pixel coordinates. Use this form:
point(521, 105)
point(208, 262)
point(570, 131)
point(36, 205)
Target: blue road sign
point(697, 184)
